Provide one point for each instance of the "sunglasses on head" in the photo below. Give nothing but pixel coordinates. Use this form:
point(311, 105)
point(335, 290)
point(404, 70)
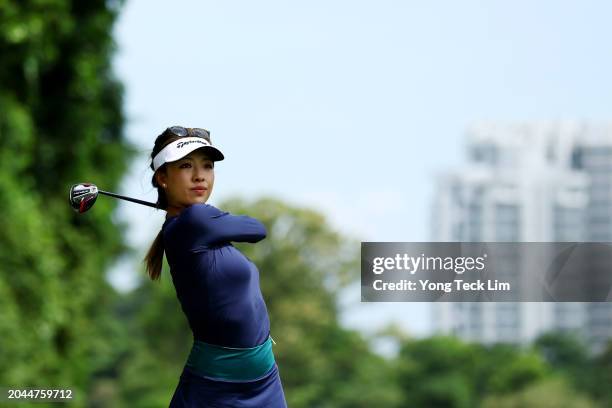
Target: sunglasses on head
point(181, 131)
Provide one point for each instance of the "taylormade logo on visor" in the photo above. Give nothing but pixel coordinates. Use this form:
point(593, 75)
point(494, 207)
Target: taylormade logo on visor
point(180, 148)
point(181, 144)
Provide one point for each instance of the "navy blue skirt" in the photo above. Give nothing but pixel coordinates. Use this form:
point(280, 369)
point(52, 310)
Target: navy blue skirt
point(195, 391)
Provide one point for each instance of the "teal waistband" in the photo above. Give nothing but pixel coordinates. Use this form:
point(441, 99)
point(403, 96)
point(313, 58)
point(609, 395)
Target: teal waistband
point(227, 363)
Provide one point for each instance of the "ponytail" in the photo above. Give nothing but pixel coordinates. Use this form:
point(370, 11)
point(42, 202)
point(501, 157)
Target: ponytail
point(155, 257)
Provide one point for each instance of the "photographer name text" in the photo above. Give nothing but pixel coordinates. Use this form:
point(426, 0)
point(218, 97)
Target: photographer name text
point(457, 285)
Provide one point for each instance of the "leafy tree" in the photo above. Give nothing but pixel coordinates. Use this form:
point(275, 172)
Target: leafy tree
point(447, 372)
point(515, 370)
point(437, 372)
point(551, 393)
point(60, 123)
point(601, 368)
point(562, 350)
point(568, 355)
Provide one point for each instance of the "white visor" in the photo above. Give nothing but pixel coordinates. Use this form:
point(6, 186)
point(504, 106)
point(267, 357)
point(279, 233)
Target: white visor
point(182, 147)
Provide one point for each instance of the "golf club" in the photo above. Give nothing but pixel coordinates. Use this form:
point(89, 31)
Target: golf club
point(83, 196)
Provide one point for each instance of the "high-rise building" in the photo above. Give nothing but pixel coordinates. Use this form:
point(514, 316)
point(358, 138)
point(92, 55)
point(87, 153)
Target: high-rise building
point(531, 182)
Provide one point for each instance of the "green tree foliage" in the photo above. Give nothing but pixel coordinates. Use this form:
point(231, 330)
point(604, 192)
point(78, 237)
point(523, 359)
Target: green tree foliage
point(551, 393)
point(446, 372)
point(601, 367)
point(60, 123)
point(158, 344)
point(567, 354)
point(562, 350)
point(437, 373)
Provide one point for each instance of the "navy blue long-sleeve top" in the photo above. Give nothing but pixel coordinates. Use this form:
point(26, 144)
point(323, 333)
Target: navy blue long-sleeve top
point(217, 286)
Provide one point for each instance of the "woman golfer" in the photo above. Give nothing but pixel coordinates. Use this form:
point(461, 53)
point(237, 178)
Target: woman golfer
point(231, 363)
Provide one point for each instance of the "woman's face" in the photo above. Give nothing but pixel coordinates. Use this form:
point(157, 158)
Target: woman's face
point(187, 181)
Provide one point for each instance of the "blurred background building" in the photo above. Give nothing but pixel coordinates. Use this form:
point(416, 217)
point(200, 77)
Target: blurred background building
point(529, 182)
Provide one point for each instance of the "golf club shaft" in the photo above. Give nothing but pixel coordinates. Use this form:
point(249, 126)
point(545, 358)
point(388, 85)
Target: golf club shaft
point(134, 200)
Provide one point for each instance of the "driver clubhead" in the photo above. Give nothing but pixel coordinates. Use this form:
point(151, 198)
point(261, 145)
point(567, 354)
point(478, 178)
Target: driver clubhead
point(83, 196)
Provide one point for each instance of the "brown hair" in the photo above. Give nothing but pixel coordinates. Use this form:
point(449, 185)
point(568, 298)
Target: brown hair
point(155, 256)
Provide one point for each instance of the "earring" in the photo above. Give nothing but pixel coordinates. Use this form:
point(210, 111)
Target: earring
point(163, 185)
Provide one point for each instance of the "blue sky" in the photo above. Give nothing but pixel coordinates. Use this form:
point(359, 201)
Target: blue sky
point(351, 107)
